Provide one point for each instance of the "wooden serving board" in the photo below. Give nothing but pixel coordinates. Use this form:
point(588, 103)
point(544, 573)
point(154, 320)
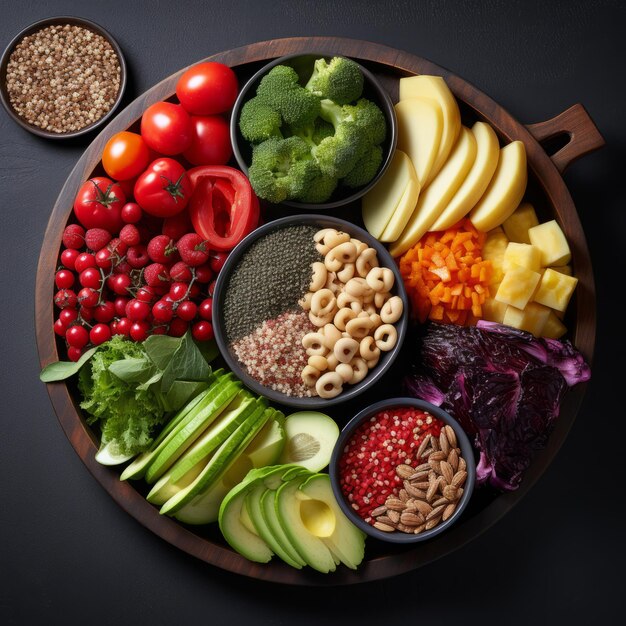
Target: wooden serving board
point(546, 190)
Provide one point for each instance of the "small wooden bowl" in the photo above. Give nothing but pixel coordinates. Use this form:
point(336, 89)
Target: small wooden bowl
point(56, 21)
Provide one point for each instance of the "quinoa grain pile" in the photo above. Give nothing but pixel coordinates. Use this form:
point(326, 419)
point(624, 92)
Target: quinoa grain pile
point(63, 78)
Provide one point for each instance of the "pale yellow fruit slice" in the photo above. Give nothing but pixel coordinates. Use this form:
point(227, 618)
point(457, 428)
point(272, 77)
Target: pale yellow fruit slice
point(518, 224)
point(477, 180)
point(403, 212)
point(505, 191)
point(551, 240)
point(420, 125)
point(435, 88)
point(379, 204)
point(436, 196)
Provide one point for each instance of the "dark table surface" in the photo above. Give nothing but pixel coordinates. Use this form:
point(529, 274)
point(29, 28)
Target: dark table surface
point(69, 554)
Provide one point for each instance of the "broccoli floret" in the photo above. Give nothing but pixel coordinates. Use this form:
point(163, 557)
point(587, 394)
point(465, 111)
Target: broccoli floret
point(280, 90)
point(258, 121)
point(319, 189)
point(365, 169)
point(313, 133)
point(369, 118)
point(281, 169)
point(341, 80)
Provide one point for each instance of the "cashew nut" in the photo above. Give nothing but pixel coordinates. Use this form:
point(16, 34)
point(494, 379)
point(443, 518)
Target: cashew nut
point(359, 370)
point(366, 261)
point(318, 362)
point(318, 279)
point(392, 310)
point(380, 279)
point(345, 371)
point(329, 385)
point(386, 337)
point(320, 320)
point(359, 327)
point(314, 344)
point(342, 317)
point(323, 303)
point(310, 375)
point(305, 301)
point(345, 349)
point(368, 348)
point(358, 287)
point(345, 274)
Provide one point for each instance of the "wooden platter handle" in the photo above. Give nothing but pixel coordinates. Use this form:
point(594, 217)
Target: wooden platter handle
point(576, 123)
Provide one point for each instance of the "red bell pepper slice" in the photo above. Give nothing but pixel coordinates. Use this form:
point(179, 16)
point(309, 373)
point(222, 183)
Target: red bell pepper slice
point(223, 207)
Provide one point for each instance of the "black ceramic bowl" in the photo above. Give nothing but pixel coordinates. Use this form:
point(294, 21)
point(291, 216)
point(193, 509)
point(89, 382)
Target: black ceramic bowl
point(303, 64)
point(466, 452)
point(350, 391)
point(55, 21)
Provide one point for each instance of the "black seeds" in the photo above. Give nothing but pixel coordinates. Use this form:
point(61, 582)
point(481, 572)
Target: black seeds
point(270, 278)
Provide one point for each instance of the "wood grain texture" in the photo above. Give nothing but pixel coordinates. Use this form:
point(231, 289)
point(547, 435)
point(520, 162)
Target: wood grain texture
point(548, 191)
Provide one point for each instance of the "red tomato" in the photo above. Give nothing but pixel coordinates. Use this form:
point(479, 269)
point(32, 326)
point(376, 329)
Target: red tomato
point(207, 88)
point(210, 144)
point(125, 156)
point(166, 128)
point(163, 189)
point(99, 203)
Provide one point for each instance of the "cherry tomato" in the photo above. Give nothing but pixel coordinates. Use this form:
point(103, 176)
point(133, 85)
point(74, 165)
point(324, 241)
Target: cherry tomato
point(186, 310)
point(131, 212)
point(99, 203)
point(123, 326)
point(207, 88)
point(202, 331)
point(125, 155)
point(104, 312)
point(73, 354)
point(136, 310)
point(77, 336)
point(217, 260)
point(66, 299)
point(68, 258)
point(60, 328)
point(210, 142)
point(178, 327)
point(205, 310)
point(163, 189)
point(99, 334)
point(88, 297)
point(67, 316)
point(166, 128)
point(64, 279)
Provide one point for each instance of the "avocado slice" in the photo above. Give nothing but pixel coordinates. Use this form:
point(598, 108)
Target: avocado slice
point(217, 464)
point(292, 514)
point(311, 437)
point(194, 424)
point(346, 542)
point(188, 467)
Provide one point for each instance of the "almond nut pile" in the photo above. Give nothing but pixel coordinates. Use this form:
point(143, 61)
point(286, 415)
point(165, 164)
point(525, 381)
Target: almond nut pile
point(431, 491)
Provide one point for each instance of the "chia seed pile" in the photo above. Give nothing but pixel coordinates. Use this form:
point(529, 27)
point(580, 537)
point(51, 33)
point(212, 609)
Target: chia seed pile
point(63, 78)
point(264, 323)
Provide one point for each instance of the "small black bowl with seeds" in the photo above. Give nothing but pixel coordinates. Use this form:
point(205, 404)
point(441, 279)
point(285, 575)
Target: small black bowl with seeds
point(260, 319)
point(62, 77)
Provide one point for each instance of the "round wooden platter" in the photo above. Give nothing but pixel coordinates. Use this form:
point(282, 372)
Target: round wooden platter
point(546, 190)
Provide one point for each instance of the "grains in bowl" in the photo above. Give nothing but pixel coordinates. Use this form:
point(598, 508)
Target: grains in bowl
point(63, 78)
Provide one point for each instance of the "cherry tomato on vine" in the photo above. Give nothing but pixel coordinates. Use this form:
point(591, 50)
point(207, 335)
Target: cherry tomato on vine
point(98, 204)
point(166, 128)
point(210, 141)
point(77, 336)
point(207, 88)
point(202, 331)
point(125, 155)
point(64, 279)
point(164, 189)
point(99, 334)
point(131, 211)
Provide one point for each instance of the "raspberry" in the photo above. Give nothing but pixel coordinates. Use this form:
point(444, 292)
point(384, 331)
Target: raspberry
point(97, 238)
point(180, 272)
point(74, 236)
point(137, 256)
point(161, 249)
point(156, 274)
point(193, 249)
point(130, 235)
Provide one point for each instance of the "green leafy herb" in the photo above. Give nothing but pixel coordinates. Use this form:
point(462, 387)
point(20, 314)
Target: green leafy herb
point(60, 370)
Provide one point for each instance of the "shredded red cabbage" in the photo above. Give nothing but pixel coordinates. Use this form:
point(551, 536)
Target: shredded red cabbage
point(503, 385)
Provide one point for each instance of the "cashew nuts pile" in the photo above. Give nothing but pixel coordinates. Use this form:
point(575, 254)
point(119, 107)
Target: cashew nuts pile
point(350, 302)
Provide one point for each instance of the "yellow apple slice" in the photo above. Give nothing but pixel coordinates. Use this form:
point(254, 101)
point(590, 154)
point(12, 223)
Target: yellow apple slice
point(433, 200)
point(379, 204)
point(403, 212)
point(505, 191)
point(477, 180)
point(435, 88)
point(420, 124)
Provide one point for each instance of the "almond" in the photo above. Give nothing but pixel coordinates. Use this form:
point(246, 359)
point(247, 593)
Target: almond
point(450, 435)
point(432, 523)
point(395, 504)
point(450, 492)
point(404, 471)
point(379, 510)
point(448, 511)
point(453, 459)
point(422, 447)
point(394, 516)
point(411, 519)
point(436, 512)
point(446, 471)
point(459, 478)
point(419, 529)
point(423, 507)
point(384, 527)
point(443, 442)
point(419, 475)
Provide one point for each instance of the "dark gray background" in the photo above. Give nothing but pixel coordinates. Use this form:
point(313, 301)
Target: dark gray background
point(69, 554)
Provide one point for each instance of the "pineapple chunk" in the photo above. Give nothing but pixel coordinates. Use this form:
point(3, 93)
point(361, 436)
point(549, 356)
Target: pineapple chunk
point(550, 239)
point(564, 269)
point(555, 289)
point(516, 227)
point(553, 328)
point(523, 254)
point(518, 286)
point(493, 250)
point(494, 311)
point(532, 318)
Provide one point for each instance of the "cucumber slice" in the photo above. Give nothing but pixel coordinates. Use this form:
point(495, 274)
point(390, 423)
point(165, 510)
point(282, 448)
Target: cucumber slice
point(311, 437)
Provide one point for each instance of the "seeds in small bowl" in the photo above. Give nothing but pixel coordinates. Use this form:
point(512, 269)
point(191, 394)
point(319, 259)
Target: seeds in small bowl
point(403, 470)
